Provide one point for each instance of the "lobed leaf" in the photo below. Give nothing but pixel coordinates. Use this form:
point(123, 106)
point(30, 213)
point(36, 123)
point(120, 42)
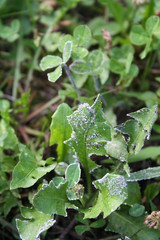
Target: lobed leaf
point(34, 224)
point(113, 192)
point(90, 132)
point(28, 170)
point(52, 199)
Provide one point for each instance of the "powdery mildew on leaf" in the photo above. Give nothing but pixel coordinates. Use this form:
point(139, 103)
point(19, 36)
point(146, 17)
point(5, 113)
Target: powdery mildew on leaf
point(144, 174)
point(35, 223)
point(90, 132)
point(113, 192)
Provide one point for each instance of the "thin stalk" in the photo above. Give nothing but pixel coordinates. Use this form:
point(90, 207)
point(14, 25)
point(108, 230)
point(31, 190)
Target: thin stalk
point(17, 69)
point(97, 86)
point(66, 69)
point(88, 178)
point(31, 13)
point(14, 13)
point(59, 14)
point(146, 69)
point(82, 201)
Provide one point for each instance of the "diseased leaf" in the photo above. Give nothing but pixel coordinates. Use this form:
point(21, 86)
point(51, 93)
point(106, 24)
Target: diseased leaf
point(67, 51)
point(34, 224)
point(144, 174)
point(50, 62)
point(72, 175)
point(82, 35)
point(113, 192)
point(61, 130)
point(53, 76)
point(146, 117)
point(52, 199)
point(121, 222)
point(90, 132)
point(138, 129)
point(117, 147)
point(28, 170)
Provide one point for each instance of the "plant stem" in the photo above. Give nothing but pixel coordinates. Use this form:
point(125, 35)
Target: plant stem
point(66, 69)
point(58, 15)
point(31, 13)
point(88, 178)
point(82, 201)
point(17, 69)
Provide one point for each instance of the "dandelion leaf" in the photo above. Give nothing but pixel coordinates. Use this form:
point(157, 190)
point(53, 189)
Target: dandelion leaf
point(113, 192)
point(90, 132)
point(34, 224)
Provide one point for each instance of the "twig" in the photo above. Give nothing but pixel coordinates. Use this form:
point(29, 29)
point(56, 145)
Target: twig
point(8, 97)
point(45, 106)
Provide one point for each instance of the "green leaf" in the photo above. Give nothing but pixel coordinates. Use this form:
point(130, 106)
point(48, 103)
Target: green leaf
point(139, 128)
point(61, 168)
point(53, 76)
point(72, 175)
point(52, 199)
point(145, 153)
point(82, 35)
point(8, 136)
point(112, 194)
point(98, 224)
point(80, 229)
point(34, 224)
point(79, 53)
point(117, 148)
point(136, 210)
point(134, 193)
point(4, 105)
point(138, 35)
point(28, 170)
point(90, 132)
point(151, 191)
point(121, 222)
point(144, 174)
point(80, 67)
point(146, 117)
point(152, 24)
point(50, 62)
point(67, 51)
point(65, 39)
point(61, 130)
point(95, 59)
point(116, 9)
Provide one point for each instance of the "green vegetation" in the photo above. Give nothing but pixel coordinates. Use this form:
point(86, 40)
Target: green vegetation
point(79, 97)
